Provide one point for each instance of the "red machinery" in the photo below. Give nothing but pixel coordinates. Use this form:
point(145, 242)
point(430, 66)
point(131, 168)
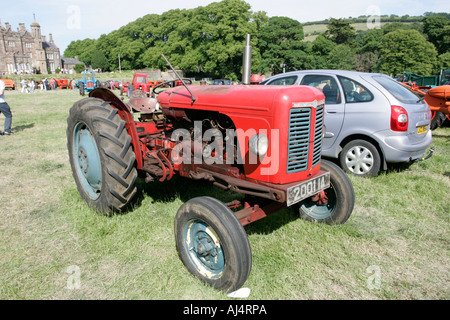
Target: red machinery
point(263, 142)
point(63, 83)
point(438, 98)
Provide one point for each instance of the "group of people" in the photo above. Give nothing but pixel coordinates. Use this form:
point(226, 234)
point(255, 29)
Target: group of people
point(32, 85)
point(5, 110)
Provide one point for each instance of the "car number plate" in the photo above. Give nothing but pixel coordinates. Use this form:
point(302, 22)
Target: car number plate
point(307, 188)
point(422, 129)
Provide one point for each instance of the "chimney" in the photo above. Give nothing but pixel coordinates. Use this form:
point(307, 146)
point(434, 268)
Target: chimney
point(22, 27)
point(7, 26)
point(51, 37)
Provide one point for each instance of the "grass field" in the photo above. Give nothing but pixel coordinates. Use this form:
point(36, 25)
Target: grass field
point(312, 31)
point(394, 246)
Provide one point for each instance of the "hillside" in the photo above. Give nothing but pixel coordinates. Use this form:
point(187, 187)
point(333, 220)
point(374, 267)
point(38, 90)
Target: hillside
point(314, 28)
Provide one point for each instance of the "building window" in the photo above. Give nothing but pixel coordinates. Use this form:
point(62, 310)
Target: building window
point(29, 45)
point(11, 43)
point(50, 56)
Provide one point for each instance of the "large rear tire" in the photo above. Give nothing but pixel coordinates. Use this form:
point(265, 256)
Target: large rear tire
point(213, 244)
point(101, 155)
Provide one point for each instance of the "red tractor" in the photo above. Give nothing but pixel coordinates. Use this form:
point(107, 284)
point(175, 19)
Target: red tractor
point(262, 142)
point(63, 83)
point(438, 99)
point(140, 85)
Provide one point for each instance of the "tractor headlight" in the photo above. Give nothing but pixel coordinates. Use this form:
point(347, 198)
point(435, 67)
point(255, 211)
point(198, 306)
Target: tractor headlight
point(259, 144)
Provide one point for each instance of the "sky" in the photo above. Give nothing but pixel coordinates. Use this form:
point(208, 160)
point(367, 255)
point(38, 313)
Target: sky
point(70, 20)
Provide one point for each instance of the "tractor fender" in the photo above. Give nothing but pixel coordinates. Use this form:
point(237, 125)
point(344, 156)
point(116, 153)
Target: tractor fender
point(125, 113)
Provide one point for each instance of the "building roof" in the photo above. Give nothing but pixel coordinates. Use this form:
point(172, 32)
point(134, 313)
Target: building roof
point(46, 45)
point(71, 61)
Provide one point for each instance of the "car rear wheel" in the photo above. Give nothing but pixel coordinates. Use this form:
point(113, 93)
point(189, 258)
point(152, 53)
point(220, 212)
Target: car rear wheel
point(360, 158)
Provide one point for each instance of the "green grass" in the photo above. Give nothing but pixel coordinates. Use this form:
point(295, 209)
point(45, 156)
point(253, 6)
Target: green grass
point(400, 227)
point(313, 30)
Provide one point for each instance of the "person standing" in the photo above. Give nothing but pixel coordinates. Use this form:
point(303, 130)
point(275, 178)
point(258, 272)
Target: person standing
point(24, 86)
point(5, 110)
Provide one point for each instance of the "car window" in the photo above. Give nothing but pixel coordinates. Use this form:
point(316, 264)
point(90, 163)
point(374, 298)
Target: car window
point(285, 81)
point(354, 91)
point(327, 84)
point(400, 92)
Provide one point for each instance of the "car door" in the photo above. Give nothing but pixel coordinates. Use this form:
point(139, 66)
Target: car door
point(334, 108)
point(364, 113)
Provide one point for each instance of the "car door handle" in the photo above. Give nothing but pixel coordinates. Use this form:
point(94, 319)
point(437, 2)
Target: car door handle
point(331, 111)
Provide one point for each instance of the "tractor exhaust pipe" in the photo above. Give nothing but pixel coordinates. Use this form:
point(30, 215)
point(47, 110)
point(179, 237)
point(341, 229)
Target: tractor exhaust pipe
point(247, 62)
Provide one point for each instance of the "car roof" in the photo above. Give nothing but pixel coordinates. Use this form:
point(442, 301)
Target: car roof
point(328, 71)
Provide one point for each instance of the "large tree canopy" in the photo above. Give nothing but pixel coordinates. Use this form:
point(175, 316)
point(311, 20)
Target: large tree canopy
point(208, 41)
point(404, 50)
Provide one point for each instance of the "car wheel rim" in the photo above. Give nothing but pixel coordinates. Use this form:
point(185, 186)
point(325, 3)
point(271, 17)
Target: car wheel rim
point(359, 160)
point(204, 249)
point(87, 160)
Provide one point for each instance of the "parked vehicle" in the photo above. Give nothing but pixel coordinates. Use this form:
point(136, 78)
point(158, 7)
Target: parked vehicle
point(371, 120)
point(222, 82)
point(139, 82)
point(112, 84)
point(424, 81)
point(109, 149)
point(9, 84)
point(62, 83)
point(88, 83)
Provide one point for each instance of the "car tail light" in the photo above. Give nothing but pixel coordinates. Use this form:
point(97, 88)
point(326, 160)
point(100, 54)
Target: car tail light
point(399, 119)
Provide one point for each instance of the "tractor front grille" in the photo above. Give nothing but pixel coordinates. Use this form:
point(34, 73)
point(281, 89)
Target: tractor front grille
point(318, 132)
point(299, 138)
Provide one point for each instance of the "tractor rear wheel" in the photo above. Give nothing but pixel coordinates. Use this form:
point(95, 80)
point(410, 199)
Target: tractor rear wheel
point(101, 155)
point(212, 243)
point(337, 201)
point(437, 119)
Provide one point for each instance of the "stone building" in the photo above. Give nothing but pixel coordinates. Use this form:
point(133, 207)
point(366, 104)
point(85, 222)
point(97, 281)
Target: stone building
point(24, 51)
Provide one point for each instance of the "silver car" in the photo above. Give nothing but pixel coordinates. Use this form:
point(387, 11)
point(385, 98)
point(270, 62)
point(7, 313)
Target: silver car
point(371, 120)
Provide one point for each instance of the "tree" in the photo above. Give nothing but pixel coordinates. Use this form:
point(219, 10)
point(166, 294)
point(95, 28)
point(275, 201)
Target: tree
point(205, 40)
point(437, 29)
point(342, 57)
point(280, 43)
point(83, 49)
point(407, 50)
point(99, 60)
point(79, 67)
point(322, 46)
point(340, 31)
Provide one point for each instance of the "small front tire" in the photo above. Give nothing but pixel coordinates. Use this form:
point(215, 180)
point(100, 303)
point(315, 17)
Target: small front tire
point(212, 243)
point(336, 203)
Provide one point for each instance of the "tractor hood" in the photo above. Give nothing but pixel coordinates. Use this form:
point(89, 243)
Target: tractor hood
point(239, 99)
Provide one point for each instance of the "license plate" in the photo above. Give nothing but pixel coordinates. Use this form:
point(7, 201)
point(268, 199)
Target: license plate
point(422, 129)
point(307, 188)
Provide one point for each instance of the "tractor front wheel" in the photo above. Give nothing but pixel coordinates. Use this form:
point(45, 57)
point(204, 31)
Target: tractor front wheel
point(335, 204)
point(101, 155)
point(212, 243)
